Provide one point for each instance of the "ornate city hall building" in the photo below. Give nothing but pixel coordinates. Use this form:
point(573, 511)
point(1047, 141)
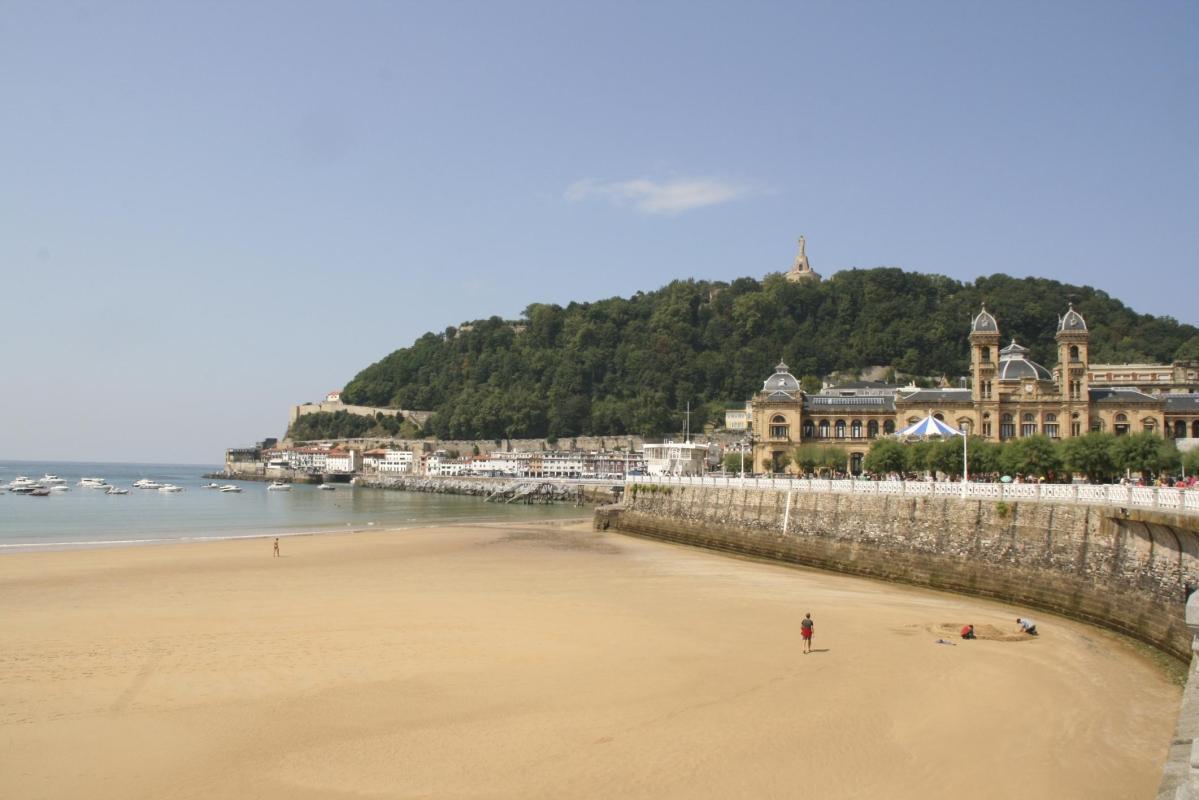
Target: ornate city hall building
point(1009, 396)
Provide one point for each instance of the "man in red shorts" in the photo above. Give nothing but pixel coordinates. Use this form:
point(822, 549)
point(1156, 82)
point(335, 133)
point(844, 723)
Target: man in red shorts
point(805, 630)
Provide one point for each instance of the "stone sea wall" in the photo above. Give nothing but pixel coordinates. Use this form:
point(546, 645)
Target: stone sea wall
point(1122, 569)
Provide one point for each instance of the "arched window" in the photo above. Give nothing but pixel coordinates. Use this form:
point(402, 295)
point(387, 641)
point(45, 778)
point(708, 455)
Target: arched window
point(809, 430)
point(855, 429)
point(939, 416)
point(985, 354)
point(913, 420)
point(964, 426)
point(872, 429)
point(1073, 352)
point(1007, 427)
point(889, 427)
point(1028, 425)
point(1120, 426)
point(824, 429)
point(1051, 426)
point(1195, 429)
point(779, 429)
point(1180, 430)
point(1149, 425)
point(840, 428)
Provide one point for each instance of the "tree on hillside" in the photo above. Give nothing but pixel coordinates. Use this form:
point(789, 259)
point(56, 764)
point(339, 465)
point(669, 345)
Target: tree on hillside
point(631, 365)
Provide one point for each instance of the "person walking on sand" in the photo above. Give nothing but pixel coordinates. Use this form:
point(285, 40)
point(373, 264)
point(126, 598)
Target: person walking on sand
point(276, 547)
point(805, 630)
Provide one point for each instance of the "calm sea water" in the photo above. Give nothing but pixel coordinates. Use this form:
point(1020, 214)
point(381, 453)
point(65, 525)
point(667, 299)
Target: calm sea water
point(89, 517)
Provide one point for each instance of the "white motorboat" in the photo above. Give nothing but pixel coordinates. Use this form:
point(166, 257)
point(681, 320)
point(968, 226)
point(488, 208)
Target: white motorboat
point(93, 483)
point(20, 482)
point(169, 488)
point(229, 488)
point(60, 488)
point(116, 490)
point(327, 487)
point(51, 480)
point(278, 486)
point(23, 488)
point(211, 486)
point(146, 483)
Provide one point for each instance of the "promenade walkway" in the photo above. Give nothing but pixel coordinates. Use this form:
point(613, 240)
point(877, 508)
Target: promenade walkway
point(1166, 499)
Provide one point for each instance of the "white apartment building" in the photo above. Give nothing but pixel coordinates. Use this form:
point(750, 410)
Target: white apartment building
point(338, 460)
point(675, 458)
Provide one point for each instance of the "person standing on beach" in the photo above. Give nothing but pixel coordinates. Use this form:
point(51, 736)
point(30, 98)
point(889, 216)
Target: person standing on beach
point(805, 630)
point(276, 547)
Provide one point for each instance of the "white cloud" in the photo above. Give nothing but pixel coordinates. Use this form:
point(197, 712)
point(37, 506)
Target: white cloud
point(673, 196)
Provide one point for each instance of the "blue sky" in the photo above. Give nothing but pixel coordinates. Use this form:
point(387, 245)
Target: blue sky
point(210, 211)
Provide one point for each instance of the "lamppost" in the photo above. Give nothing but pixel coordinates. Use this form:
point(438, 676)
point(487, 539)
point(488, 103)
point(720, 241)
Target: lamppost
point(747, 444)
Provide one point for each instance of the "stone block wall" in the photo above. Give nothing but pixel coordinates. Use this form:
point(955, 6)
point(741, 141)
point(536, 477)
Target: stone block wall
point(1099, 565)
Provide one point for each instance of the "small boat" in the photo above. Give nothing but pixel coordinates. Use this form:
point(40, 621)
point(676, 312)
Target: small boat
point(50, 480)
point(41, 491)
point(279, 486)
point(93, 483)
point(60, 488)
point(116, 490)
point(211, 486)
point(146, 483)
point(229, 488)
point(22, 489)
point(327, 487)
point(169, 488)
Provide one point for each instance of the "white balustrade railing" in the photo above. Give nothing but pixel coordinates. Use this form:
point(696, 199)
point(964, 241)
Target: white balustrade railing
point(1164, 498)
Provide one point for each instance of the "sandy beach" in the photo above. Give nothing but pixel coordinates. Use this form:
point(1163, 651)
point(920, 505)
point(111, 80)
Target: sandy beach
point(541, 660)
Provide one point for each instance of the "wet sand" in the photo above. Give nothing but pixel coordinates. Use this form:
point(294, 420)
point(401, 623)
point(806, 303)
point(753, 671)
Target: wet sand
point(544, 661)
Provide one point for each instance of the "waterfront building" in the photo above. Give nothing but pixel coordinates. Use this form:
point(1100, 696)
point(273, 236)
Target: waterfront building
point(339, 460)
point(737, 419)
point(1009, 396)
point(676, 458)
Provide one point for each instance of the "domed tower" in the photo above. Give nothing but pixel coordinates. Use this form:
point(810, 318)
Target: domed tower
point(1073, 342)
point(984, 355)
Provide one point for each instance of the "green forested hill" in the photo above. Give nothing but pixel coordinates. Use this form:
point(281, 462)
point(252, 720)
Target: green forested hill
point(632, 364)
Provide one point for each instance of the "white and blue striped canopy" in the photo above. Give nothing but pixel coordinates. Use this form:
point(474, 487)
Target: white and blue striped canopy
point(929, 426)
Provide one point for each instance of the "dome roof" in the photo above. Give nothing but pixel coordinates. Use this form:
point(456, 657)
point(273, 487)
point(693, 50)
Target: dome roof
point(1015, 365)
point(1073, 321)
point(781, 380)
point(984, 322)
